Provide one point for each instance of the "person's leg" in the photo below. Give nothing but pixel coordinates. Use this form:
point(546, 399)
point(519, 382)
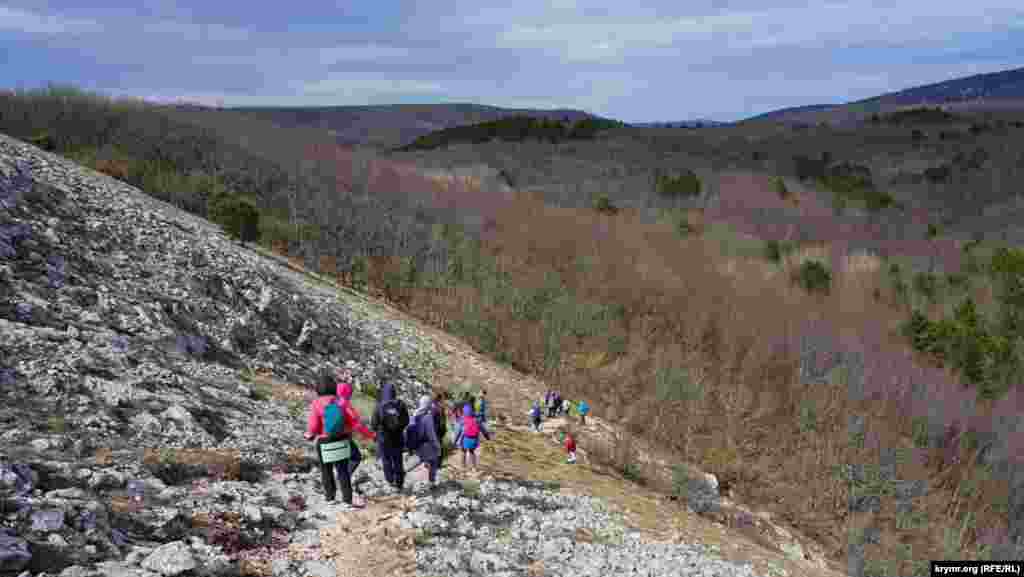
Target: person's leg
point(354, 460)
point(326, 475)
point(345, 480)
point(432, 469)
point(464, 452)
point(399, 468)
point(388, 462)
point(473, 459)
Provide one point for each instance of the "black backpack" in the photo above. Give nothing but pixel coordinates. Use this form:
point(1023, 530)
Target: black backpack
point(391, 418)
point(440, 421)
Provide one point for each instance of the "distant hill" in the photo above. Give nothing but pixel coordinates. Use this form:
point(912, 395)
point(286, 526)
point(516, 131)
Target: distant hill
point(791, 113)
point(1002, 90)
point(695, 123)
point(389, 126)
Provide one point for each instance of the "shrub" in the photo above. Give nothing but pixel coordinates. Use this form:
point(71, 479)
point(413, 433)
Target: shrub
point(680, 480)
point(604, 205)
point(774, 250)
point(807, 168)
point(926, 284)
point(779, 186)
point(631, 471)
point(238, 216)
point(938, 174)
point(808, 417)
point(45, 141)
point(687, 184)
point(813, 277)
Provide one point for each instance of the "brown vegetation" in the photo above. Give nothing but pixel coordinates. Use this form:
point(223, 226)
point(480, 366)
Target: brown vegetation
point(732, 331)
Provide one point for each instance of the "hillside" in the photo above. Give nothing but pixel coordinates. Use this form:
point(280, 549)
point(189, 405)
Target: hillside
point(188, 358)
point(390, 126)
point(1003, 90)
point(791, 114)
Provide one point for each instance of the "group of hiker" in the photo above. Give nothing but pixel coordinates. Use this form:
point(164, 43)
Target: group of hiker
point(333, 419)
point(554, 405)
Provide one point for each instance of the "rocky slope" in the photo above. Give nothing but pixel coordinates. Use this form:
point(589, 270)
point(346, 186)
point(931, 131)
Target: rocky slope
point(152, 398)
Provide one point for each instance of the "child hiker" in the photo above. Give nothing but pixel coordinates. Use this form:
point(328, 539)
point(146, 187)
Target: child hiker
point(468, 437)
point(570, 447)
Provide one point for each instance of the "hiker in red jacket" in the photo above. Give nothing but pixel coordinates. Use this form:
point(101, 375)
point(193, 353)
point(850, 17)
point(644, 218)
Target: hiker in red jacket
point(570, 446)
point(315, 429)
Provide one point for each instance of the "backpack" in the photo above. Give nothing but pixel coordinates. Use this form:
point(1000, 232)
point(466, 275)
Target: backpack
point(471, 428)
point(414, 437)
point(391, 417)
point(334, 421)
point(535, 412)
point(440, 421)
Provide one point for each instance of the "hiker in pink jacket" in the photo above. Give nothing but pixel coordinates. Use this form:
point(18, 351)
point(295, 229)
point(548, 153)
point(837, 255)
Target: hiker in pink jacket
point(315, 429)
point(344, 389)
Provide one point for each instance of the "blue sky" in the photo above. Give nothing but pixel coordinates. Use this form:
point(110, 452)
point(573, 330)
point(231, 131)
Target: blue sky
point(634, 61)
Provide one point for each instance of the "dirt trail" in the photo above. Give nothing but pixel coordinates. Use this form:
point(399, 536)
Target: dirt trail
point(371, 542)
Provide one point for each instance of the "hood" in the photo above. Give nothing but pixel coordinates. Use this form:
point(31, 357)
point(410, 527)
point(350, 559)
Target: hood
point(387, 393)
point(425, 404)
point(345, 391)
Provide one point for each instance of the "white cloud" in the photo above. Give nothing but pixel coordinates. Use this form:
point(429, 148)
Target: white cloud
point(195, 31)
point(35, 23)
point(607, 39)
point(362, 53)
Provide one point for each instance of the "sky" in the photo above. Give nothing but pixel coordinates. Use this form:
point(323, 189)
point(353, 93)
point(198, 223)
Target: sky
point(659, 60)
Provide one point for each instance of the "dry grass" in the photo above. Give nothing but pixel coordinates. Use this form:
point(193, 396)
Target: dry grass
point(225, 462)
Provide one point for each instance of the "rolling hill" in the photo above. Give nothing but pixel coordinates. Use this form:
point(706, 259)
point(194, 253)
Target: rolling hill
point(1002, 90)
point(389, 126)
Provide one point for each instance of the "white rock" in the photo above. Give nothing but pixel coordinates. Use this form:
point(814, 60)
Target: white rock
point(253, 514)
point(177, 413)
point(170, 559)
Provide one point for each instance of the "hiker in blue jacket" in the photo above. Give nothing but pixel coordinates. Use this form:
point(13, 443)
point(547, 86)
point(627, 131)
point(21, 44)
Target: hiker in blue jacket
point(389, 421)
point(428, 445)
point(583, 408)
point(481, 407)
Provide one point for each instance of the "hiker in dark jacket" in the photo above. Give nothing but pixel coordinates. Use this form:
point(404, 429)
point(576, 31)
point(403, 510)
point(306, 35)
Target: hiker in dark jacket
point(390, 419)
point(441, 425)
point(429, 449)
